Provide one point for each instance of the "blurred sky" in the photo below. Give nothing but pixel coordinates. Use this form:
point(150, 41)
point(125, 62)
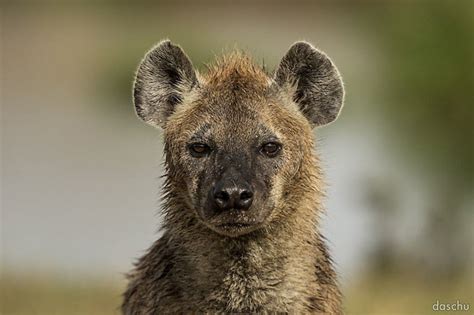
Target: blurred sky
point(80, 173)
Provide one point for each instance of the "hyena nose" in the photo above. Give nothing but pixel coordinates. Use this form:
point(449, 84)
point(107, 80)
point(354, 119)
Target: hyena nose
point(233, 196)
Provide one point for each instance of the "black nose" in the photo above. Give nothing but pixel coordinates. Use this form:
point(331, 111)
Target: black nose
point(230, 195)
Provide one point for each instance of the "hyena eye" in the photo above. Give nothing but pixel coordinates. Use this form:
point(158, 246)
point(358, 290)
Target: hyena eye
point(271, 149)
point(199, 149)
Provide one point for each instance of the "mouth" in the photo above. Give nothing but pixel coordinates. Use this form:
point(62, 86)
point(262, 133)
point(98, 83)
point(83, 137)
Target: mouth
point(234, 225)
point(233, 222)
point(234, 229)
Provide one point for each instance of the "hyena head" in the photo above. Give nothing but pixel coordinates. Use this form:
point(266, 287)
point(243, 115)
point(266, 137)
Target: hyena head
point(236, 137)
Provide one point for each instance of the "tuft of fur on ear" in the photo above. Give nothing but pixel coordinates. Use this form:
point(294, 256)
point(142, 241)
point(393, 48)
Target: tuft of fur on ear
point(314, 82)
point(163, 77)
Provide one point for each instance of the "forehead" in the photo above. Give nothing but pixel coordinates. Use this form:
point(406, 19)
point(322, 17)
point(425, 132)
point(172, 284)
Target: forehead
point(235, 103)
point(228, 117)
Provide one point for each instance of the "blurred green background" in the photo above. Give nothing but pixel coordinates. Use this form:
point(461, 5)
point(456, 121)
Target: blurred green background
point(80, 174)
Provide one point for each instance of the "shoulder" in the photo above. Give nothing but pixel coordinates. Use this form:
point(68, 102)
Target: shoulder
point(328, 298)
point(150, 283)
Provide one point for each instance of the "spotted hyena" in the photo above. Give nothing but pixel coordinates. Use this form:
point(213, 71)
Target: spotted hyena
point(243, 185)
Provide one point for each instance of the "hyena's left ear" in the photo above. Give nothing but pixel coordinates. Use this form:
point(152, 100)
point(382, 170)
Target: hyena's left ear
point(314, 82)
point(163, 77)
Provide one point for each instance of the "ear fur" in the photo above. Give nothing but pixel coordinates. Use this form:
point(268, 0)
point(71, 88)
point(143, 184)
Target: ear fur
point(162, 78)
point(314, 82)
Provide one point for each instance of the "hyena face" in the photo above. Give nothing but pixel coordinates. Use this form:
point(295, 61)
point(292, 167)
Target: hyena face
point(235, 138)
point(233, 153)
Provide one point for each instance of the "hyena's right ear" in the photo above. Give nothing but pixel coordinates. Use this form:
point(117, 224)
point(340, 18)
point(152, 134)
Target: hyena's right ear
point(163, 77)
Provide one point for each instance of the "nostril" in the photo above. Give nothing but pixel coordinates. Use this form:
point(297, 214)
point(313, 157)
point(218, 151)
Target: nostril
point(246, 195)
point(221, 195)
point(245, 200)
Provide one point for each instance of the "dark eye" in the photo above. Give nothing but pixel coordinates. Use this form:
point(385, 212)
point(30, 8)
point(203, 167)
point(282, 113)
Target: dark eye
point(199, 149)
point(271, 149)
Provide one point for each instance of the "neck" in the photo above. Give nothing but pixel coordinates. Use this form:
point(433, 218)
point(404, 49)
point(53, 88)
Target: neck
point(279, 257)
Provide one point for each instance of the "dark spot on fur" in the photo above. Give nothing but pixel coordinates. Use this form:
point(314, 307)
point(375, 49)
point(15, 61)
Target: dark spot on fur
point(172, 75)
point(174, 99)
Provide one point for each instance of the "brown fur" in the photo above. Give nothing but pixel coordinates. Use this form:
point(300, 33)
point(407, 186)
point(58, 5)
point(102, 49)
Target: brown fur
point(283, 264)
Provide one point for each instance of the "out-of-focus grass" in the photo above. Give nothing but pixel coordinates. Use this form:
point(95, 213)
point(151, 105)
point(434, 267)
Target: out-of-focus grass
point(53, 295)
point(395, 293)
point(382, 294)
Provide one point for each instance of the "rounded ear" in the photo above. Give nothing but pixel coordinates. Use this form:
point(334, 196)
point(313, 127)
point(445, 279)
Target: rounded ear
point(313, 81)
point(163, 77)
